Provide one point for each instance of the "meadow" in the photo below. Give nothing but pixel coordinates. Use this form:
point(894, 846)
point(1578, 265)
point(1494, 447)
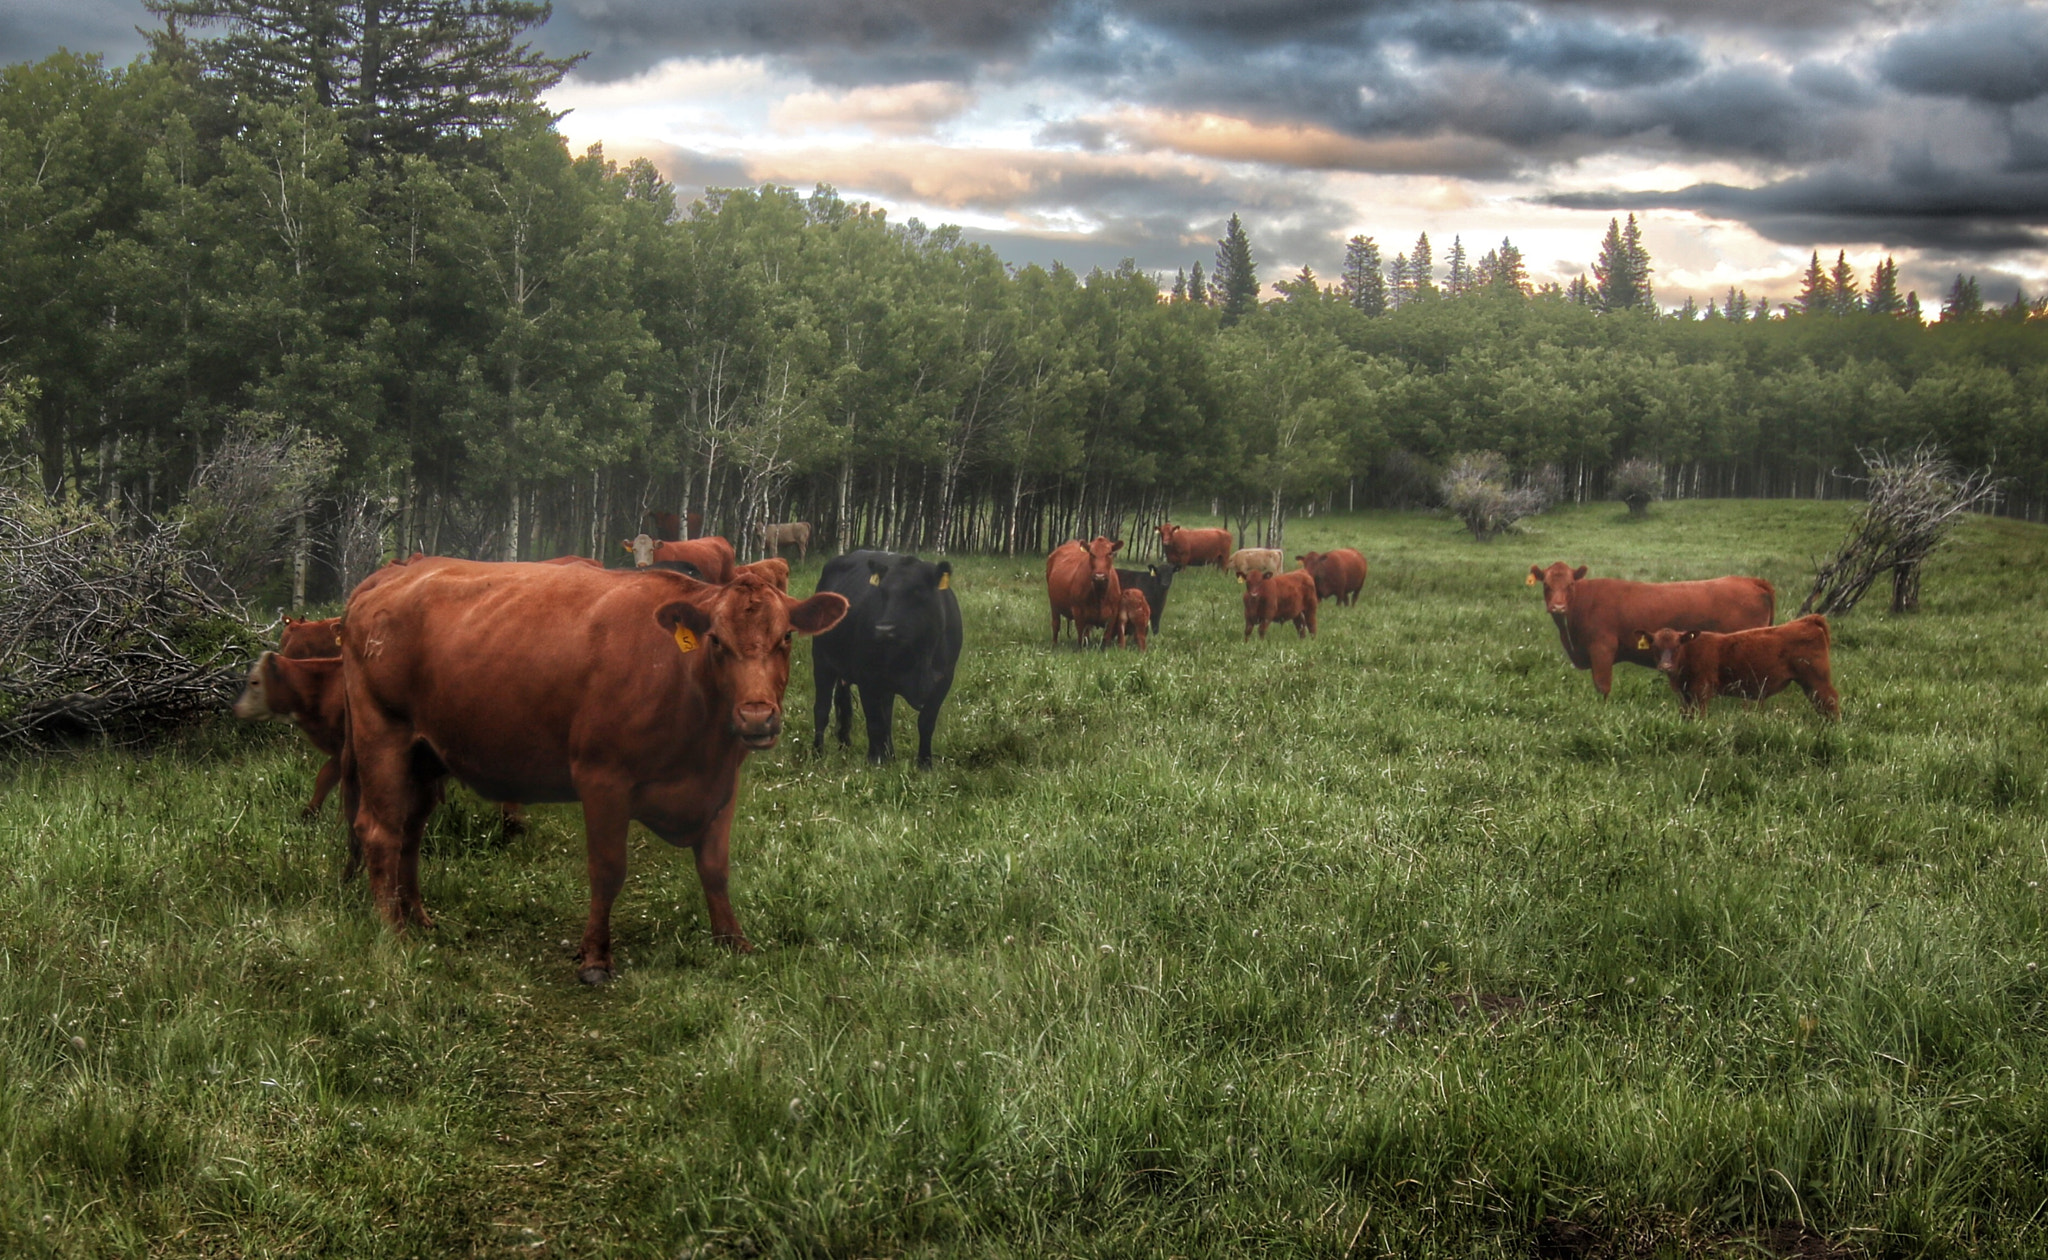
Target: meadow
point(1397, 941)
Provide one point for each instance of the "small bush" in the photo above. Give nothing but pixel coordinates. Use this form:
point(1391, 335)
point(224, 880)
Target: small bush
point(1638, 482)
point(1476, 491)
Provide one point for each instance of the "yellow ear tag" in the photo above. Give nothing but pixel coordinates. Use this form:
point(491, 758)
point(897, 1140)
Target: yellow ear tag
point(1530, 580)
point(1642, 643)
point(874, 579)
point(945, 581)
point(685, 640)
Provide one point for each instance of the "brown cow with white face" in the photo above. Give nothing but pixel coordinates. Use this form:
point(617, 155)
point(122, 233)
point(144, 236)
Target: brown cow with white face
point(637, 694)
point(1082, 585)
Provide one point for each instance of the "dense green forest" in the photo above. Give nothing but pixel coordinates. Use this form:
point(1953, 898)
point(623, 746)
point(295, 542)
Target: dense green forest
point(366, 255)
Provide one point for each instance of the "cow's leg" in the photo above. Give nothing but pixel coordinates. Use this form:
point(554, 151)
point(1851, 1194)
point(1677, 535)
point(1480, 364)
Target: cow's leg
point(714, 860)
point(822, 687)
point(511, 821)
point(878, 706)
point(1601, 656)
point(323, 783)
point(607, 814)
point(928, 722)
point(842, 706)
point(395, 798)
point(1820, 690)
point(351, 798)
point(1055, 627)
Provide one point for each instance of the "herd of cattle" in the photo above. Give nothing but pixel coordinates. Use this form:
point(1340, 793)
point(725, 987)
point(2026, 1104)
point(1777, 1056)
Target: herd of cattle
point(639, 693)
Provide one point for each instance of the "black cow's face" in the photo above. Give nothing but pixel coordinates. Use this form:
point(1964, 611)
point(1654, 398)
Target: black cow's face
point(910, 596)
point(1163, 573)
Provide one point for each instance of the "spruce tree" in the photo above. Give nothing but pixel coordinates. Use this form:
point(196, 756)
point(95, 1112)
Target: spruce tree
point(1816, 295)
point(1883, 298)
point(1763, 310)
point(1364, 284)
point(1843, 290)
point(1198, 287)
point(1913, 307)
point(1581, 293)
point(1180, 285)
point(1621, 272)
point(1689, 311)
point(1639, 265)
point(1964, 300)
point(1713, 311)
point(1458, 281)
point(1236, 276)
point(1738, 303)
point(1400, 287)
point(1421, 270)
point(1510, 274)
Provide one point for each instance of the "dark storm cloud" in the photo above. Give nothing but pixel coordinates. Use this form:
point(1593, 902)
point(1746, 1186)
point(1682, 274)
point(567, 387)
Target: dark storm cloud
point(1998, 57)
point(1572, 50)
point(31, 30)
point(1913, 201)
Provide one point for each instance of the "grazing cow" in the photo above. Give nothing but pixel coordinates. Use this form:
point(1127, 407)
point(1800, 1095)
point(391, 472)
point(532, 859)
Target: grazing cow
point(1280, 597)
point(308, 639)
point(1339, 574)
point(1754, 664)
point(306, 691)
point(1081, 582)
point(774, 568)
point(667, 526)
point(639, 695)
point(791, 534)
point(901, 637)
point(706, 559)
point(1597, 617)
point(1155, 580)
point(1266, 560)
point(1185, 547)
point(1137, 616)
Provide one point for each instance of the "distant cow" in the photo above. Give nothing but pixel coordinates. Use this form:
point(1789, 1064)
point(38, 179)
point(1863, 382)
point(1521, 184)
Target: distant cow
point(309, 639)
point(1282, 597)
point(1597, 618)
point(1155, 580)
point(706, 559)
point(901, 637)
point(791, 534)
point(666, 526)
point(1754, 664)
point(1185, 547)
point(637, 694)
point(1137, 616)
point(1339, 574)
point(1081, 583)
point(774, 568)
point(1266, 560)
point(307, 692)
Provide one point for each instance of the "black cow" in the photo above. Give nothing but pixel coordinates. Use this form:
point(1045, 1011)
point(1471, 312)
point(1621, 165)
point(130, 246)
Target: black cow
point(901, 637)
point(1155, 580)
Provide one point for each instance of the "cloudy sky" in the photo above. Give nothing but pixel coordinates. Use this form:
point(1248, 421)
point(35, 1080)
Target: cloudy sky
point(1746, 133)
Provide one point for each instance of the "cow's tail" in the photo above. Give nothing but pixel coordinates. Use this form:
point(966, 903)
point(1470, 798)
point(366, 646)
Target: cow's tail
point(1770, 602)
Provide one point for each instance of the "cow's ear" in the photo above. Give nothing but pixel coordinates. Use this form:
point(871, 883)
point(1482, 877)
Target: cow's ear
point(1152, 570)
point(1642, 640)
point(817, 614)
point(1535, 575)
point(878, 566)
point(945, 575)
point(1117, 545)
point(628, 546)
point(683, 615)
point(1579, 573)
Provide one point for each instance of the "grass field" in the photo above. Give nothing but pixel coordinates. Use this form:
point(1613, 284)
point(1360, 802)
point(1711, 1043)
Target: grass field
point(1397, 941)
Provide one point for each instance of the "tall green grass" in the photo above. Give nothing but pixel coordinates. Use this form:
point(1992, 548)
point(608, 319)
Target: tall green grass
point(1396, 941)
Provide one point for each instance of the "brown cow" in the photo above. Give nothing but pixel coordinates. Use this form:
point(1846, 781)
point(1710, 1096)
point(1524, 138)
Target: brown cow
point(1281, 597)
point(308, 639)
point(706, 559)
point(1597, 617)
point(307, 692)
point(1754, 664)
point(1266, 560)
point(774, 568)
point(639, 695)
point(793, 533)
point(1184, 547)
point(1136, 620)
point(1339, 574)
point(1081, 583)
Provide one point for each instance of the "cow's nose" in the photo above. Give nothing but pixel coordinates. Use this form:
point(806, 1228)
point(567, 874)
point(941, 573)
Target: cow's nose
point(886, 629)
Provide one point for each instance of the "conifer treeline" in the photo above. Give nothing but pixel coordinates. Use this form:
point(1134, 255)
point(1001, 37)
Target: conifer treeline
point(516, 351)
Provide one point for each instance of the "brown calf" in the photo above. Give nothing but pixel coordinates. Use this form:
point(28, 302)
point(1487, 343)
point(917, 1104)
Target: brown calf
point(1339, 574)
point(1754, 664)
point(307, 692)
point(1282, 597)
point(1137, 618)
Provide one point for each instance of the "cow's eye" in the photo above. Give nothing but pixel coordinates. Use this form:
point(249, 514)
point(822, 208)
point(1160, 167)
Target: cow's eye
point(788, 637)
point(714, 639)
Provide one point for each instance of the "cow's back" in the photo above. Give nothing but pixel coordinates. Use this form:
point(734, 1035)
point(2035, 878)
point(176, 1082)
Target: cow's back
point(1616, 608)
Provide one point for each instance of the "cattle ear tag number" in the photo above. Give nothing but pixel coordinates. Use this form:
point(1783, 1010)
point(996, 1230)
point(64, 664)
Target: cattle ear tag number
point(1530, 580)
point(685, 640)
point(945, 581)
point(874, 579)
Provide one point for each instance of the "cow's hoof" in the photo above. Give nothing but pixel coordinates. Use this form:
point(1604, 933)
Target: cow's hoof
point(595, 975)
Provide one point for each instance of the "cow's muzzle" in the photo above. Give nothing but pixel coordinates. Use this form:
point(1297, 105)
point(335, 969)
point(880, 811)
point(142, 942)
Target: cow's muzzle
point(758, 725)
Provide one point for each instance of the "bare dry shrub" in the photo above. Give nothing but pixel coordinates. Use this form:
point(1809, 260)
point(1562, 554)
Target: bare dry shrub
point(249, 496)
point(1638, 482)
point(1914, 501)
point(1475, 489)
